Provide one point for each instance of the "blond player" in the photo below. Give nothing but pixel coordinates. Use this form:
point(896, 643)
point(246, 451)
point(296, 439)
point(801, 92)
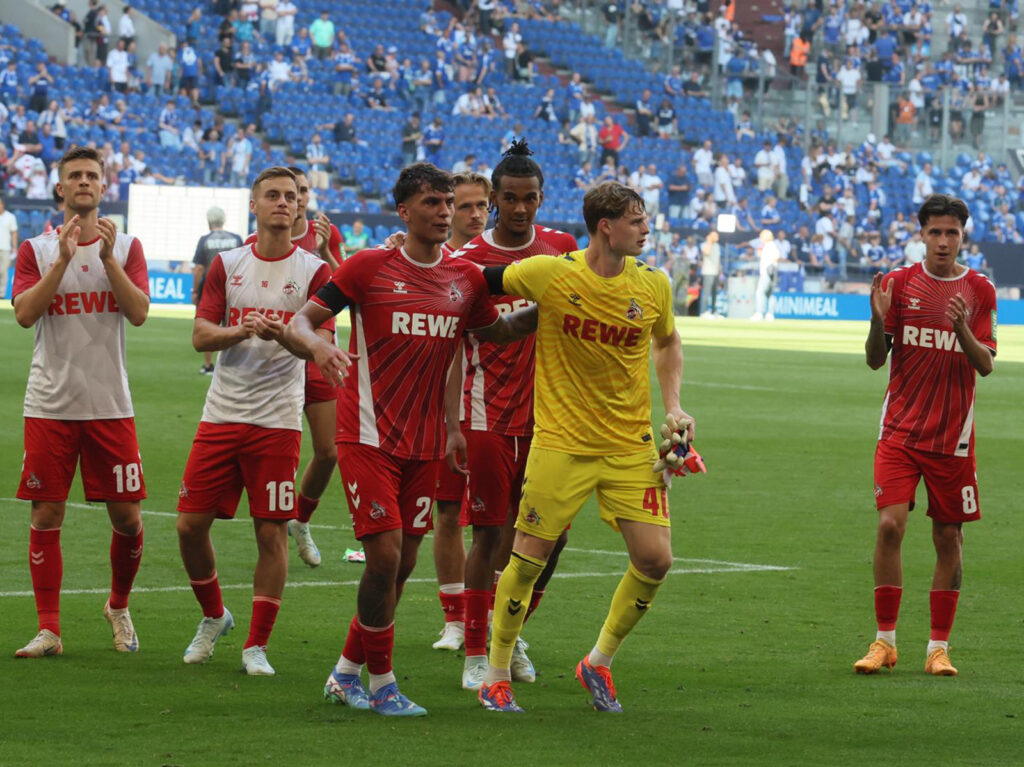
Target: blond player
point(600, 310)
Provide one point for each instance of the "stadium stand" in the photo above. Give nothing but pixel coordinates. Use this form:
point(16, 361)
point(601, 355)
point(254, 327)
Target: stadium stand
point(540, 69)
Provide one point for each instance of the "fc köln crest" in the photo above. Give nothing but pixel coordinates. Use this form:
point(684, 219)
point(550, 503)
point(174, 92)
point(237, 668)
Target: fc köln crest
point(635, 311)
point(454, 294)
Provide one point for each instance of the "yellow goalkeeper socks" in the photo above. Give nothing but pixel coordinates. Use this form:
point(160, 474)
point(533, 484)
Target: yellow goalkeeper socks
point(511, 599)
point(632, 598)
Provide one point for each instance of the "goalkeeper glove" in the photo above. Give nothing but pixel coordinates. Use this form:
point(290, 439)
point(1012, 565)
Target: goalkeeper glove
point(675, 454)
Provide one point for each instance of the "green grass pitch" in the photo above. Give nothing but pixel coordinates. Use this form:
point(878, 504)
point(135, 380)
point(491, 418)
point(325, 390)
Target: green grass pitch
point(745, 658)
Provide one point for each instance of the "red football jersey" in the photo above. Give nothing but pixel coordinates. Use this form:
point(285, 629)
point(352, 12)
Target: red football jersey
point(498, 393)
point(407, 321)
point(307, 241)
point(929, 404)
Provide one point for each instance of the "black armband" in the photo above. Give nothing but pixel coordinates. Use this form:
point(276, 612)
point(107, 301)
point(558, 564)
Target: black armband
point(332, 297)
point(494, 275)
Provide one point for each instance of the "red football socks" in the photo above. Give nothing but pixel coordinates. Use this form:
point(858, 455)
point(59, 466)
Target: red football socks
point(535, 597)
point(476, 603)
point(207, 591)
point(264, 613)
point(46, 564)
point(943, 607)
point(354, 651)
point(306, 508)
point(378, 644)
point(125, 556)
point(453, 605)
point(887, 606)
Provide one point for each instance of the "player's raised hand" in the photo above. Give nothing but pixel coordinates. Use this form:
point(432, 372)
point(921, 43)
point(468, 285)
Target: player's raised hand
point(68, 238)
point(455, 453)
point(881, 300)
point(957, 312)
point(332, 362)
point(395, 240)
point(322, 227)
point(269, 326)
point(108, 234)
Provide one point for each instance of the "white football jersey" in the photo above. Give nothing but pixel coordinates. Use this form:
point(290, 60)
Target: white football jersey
point(258, 382)
point(78, 368)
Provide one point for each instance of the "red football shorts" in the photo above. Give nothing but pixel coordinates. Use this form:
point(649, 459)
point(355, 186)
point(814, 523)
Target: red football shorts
point(387, 493)
point(951, 482)
point(227, 457)
point(317, 388)
point(496, 467)
point(109, 454)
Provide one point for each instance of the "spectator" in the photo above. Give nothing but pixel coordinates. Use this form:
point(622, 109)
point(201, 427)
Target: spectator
point(8, 244)
point(103, 33)
point(922, 184)
point(169, 126)
point(644, 113)
point(411, 138)
point(585, 134)
point(765, 167)
point(678, 191)
point(224, 63)
point(158, 71)
point(725, 193)
point(510, 47)
point(433, 142)
point(780, 167)
point(738, 174)
point(278, 71)
point(316, 157)
point(284, 29)
point(668, 122)
point(377, 97)
point(798, 53)
point(710, 273)
point(117, 65)
point(849, 78)
point(54, 117)
point(191, 70)
point(584, 178)
point(612, 139)
point(546, 109)
point(240, 149)
point(650, 189)
point(126, 26)
point(357, 238)
point(703, 161)
point(524, 64)
point(321, 31)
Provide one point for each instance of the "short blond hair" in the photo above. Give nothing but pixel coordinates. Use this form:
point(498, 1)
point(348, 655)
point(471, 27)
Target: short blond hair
point(469, 177)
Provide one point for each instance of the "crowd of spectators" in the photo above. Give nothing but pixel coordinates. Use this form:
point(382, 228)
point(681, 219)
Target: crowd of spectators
point(262, 46)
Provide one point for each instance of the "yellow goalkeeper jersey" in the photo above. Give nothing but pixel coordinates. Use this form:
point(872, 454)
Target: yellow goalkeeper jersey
point(592, 391)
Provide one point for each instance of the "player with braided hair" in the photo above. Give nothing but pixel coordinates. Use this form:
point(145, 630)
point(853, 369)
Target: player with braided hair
point(495, 409)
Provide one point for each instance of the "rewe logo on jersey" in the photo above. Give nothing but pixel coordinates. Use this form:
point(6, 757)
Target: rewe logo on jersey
point(92, 302)
point(931, 338)
point(600, 332)
point(507, 307)
point(235, 316)
point(423, 324)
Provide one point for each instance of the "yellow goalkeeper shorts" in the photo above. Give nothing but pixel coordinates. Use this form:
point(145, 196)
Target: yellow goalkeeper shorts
point(558, 484)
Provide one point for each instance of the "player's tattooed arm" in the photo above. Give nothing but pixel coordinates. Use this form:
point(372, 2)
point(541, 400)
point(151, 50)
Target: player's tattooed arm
point(509, 328)
point(877, 346)
point(979, 355)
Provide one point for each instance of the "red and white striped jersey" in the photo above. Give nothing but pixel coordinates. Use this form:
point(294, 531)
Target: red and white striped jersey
point(407, 321)
point(258, 382)
point(78, 370)
point(929, 404)
point(498, 388)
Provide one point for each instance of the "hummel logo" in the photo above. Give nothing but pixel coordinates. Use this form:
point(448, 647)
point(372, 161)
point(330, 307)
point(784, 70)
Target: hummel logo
point(353, 487)
point(135, 553)
point(400, 287)
point(574, 299)
point(514, 606)
point(37, 557)
point(915, 303)
point(642, 604)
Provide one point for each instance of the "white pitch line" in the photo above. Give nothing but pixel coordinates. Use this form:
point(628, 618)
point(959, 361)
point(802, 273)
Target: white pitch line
point(335, 584)
point(717, 565)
